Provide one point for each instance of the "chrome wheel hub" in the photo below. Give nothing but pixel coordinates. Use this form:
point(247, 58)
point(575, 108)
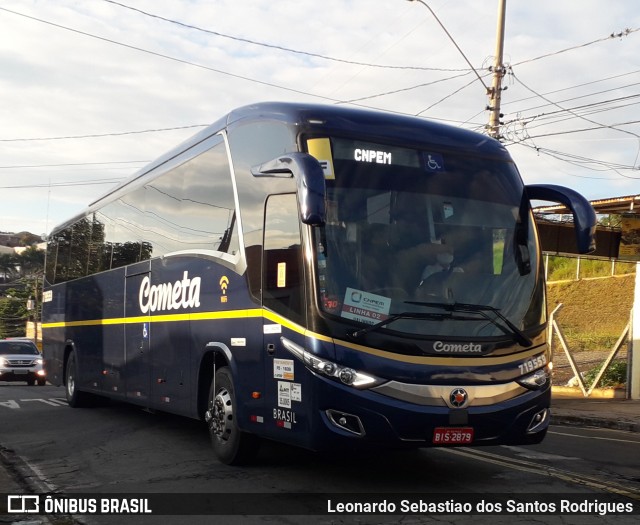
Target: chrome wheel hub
point(220, 415)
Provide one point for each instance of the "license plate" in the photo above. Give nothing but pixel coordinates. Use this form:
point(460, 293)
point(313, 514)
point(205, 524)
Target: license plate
point(453, 436)
point(21, 372)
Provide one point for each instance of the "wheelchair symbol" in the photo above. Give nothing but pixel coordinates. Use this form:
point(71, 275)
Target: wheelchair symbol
point(432, 164)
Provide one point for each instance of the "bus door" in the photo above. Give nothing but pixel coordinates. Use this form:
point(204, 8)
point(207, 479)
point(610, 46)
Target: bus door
point(137, 336)
point(283, 295)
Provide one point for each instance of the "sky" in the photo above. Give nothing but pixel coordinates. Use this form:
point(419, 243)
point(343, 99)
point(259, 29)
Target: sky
point(92, 90)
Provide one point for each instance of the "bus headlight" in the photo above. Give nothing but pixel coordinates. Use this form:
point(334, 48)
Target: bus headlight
point(536, 380)
point(345, 375)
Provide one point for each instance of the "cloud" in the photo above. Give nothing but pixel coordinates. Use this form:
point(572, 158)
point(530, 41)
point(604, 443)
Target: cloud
point(60, 82)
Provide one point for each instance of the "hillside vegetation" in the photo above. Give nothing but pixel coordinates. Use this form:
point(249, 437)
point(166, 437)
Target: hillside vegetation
point(595, 311)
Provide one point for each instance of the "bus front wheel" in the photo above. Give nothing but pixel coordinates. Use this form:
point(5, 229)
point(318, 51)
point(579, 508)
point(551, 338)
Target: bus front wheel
point(231, 445)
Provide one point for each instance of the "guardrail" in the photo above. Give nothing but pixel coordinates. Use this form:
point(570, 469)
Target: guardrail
point(615, 265)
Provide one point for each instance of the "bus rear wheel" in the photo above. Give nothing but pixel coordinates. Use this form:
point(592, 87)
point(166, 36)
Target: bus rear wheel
point(231, 445)
point(75, 398)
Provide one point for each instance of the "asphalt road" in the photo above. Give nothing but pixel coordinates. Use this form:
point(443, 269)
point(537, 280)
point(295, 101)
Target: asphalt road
point(121, 449)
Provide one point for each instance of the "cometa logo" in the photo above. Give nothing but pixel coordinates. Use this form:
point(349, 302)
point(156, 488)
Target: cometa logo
point(169, 296)
point(451, 348)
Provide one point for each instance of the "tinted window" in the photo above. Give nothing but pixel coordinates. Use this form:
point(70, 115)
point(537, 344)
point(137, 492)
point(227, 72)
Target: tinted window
point(18, 347)
point(190, 207)
point(283, 274)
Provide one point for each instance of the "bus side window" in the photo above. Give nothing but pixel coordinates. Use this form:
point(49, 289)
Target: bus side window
point(282, 260)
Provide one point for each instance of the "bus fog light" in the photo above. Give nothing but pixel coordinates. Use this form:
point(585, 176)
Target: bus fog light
point(345, 421)
point(539, 421)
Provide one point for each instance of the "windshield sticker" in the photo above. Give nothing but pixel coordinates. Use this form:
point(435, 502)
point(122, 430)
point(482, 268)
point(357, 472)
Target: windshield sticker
point(433, 162)
point(282, 275)
point(321, 150)
point(365, 307)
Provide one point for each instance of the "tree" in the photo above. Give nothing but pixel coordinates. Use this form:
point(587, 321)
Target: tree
point(611, 221)
point(31, 262)
point(13, 314)
point(8, 263)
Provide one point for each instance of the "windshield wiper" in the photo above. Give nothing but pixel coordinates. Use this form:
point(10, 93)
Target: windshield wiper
point(509, 329)
point(407, 315)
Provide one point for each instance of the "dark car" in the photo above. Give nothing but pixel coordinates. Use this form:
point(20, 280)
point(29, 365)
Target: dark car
point(20, 360)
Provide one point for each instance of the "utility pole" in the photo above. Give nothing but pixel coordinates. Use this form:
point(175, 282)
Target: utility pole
point(495, 91)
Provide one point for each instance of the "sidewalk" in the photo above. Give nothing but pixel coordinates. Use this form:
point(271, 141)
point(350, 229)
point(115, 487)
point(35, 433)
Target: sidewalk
point(570, 407)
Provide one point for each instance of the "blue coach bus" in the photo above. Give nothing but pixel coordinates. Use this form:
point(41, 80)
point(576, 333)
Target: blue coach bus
point(326, 277)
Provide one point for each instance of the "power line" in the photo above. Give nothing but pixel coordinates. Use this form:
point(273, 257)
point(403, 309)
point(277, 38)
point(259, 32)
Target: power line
point(593, 94)
point(453, 41)
point(578, 86)
point(174, 59)
point(445, 98)
point(401, 90)
point(595, 128)
point(73, 164)
point(277, 47)
point(95, 182)
point(612, 36)
point(582, 162)
point(612, 127)
point(100, 135)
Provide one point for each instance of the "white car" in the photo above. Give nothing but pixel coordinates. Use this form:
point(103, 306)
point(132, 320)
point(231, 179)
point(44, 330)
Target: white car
point(20, 360)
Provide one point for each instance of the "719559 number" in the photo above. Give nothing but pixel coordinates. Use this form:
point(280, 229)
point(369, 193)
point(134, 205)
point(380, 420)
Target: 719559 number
point(533, 364)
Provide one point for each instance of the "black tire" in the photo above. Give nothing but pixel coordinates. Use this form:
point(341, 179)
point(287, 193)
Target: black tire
point(42, 382)
point(75, 398)
point(231, 445)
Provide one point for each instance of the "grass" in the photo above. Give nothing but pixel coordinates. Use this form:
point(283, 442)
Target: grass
point(614, 375)
point(565, 268)
point(595, 312)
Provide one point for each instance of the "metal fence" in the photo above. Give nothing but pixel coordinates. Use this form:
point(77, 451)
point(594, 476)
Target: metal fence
point(625, 337)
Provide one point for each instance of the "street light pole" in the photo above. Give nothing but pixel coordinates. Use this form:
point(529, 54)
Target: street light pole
point(495, 91)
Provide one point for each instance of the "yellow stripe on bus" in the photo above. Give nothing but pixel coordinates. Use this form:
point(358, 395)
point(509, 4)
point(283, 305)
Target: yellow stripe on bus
point(271, 316)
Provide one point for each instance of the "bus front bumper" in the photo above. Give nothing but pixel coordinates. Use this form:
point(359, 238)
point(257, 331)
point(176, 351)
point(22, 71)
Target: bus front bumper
point(349, 418)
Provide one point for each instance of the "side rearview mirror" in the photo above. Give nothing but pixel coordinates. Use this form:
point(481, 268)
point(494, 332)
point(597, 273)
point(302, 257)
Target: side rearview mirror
point(310, 182)
point(584, 216)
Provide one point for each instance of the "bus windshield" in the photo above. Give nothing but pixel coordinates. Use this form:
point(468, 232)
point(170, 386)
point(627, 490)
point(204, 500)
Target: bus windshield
point(412, 232)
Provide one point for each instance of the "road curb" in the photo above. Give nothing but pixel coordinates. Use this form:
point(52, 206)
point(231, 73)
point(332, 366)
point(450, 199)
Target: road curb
point(590, 421)
point(597, 393)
